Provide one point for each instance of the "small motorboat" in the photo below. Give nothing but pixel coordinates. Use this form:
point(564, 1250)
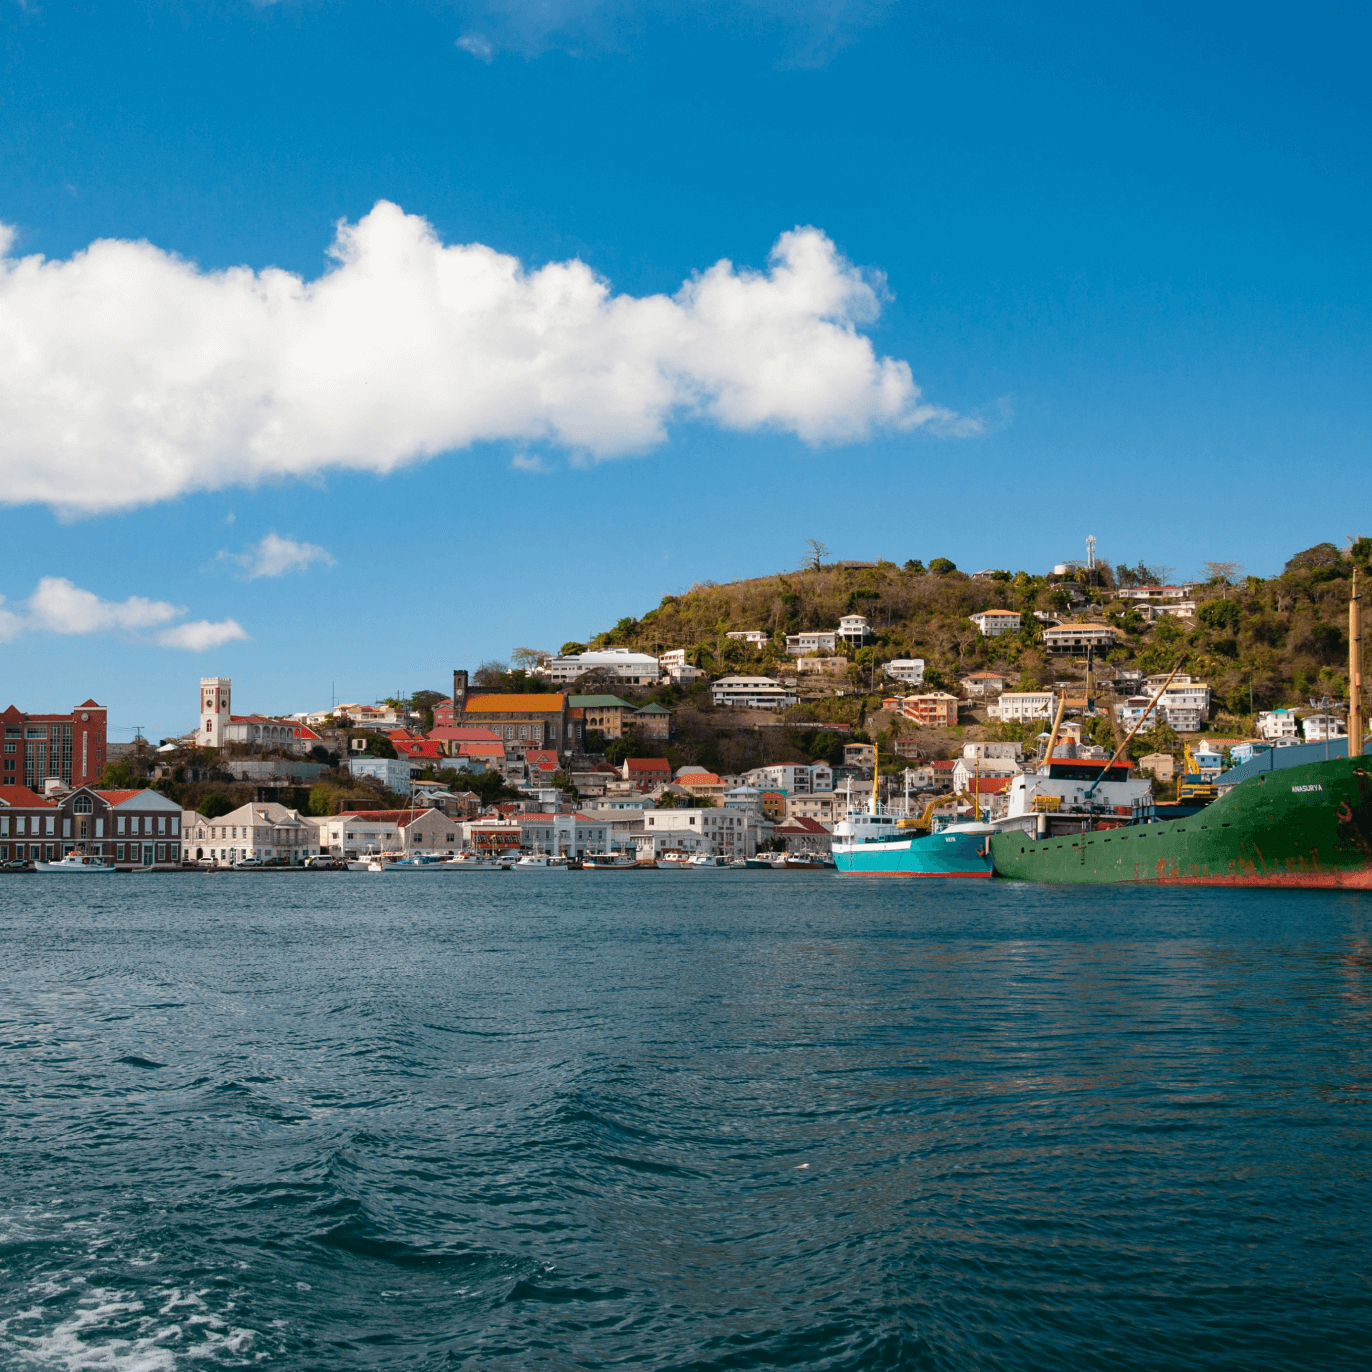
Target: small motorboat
point(610, 862)
point(81, 863)
point(756, 864)
point(419, 862)
point(541, 862)
point(472, 862)
point(707, 860)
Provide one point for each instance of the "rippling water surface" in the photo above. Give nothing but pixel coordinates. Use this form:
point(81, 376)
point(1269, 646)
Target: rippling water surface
point(681, 1120)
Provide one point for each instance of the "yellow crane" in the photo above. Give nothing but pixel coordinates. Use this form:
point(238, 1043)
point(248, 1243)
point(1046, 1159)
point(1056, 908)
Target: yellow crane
point(1192, 789)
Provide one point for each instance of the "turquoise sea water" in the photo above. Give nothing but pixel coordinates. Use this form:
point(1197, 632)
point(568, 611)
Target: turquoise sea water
point(703, 1119)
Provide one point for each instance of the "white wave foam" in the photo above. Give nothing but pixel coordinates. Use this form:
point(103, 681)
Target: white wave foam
point(108, 1332)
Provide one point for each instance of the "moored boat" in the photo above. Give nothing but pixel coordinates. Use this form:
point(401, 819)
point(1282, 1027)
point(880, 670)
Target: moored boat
point(81, 864)
point(1300, 826)
point(875, 842)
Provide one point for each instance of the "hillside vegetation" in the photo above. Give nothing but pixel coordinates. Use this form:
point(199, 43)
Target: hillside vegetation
point(1259, 642)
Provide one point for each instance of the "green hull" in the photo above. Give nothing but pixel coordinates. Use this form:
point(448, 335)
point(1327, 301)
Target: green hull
point(1298, 826)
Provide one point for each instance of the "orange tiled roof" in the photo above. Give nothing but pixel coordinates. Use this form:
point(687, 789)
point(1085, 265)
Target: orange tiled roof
point(515, 704)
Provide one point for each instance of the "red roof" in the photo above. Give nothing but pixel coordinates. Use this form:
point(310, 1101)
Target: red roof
point(988, 786)
point(464, 733)
point(419, 748)
point(118, 797)
point(481, 750)
point(538, 756)
point(21, 795)
point(385, 816)
point(397, 735)
point(945, 764)
point(801, 824)
point(698, 779)
point(648, 764)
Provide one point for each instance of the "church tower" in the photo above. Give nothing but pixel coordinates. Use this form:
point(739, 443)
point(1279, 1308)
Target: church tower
point(214, 711)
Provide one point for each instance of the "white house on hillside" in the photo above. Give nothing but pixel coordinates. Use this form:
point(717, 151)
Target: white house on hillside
point(993, 623)
point(907, 669)
point(755, 692)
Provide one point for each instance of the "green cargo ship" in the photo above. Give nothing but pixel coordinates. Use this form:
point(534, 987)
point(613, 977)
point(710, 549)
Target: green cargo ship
point(1298, 826)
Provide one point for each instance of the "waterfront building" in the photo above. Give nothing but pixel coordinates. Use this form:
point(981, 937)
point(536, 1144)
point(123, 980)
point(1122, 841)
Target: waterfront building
point(723, 831)
point(263, 831)
point(128, 828)
point(65, 747)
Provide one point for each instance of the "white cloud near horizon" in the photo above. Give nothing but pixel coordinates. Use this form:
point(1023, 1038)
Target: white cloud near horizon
point(129, 376)
point(275, 556)
point(57, 606)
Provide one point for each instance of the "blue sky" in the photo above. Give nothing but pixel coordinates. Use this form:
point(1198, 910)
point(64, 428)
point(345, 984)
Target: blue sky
point(1121, 252)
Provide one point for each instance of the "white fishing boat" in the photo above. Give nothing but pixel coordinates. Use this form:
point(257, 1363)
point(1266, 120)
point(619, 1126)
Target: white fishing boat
point(472, 862)
point(674, 857)
point(540, 862)
point(609, 862)
point(81, 863)
point(419, 862)
point(708, 860)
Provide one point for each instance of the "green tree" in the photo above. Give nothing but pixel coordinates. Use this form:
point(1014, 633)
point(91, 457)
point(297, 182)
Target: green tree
point(941, 566)
point(122, 775)
point(216, 804)
point(379, 746)
point(321, 800)
point(571, 649)
point(915, 567)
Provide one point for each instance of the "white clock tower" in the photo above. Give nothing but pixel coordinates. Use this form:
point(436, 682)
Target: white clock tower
point(214, 711)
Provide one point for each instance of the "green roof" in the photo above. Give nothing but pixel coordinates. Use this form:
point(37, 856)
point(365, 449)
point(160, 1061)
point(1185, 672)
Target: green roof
point(596, 702)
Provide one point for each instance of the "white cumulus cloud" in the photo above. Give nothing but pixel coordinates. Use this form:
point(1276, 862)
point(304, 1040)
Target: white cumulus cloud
point(202, 634)
point(275, 556)
point(128, 375)
point(58, 606)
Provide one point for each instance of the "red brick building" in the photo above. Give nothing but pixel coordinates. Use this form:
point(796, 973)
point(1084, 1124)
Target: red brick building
point(70, 747)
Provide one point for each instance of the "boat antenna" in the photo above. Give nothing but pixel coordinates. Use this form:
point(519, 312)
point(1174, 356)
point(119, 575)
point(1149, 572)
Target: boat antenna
point(1355, 725)
point(876, 772)
point(1138, 724)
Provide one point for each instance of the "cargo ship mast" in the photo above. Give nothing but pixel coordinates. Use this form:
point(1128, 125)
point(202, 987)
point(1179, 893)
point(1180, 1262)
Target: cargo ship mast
point(1355, 724)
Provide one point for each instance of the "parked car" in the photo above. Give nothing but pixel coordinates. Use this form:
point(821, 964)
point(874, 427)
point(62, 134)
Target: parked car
point(250, 862)
point(14, 865)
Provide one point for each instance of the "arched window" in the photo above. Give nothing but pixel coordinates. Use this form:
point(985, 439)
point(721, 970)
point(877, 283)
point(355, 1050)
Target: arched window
point(82, 805)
